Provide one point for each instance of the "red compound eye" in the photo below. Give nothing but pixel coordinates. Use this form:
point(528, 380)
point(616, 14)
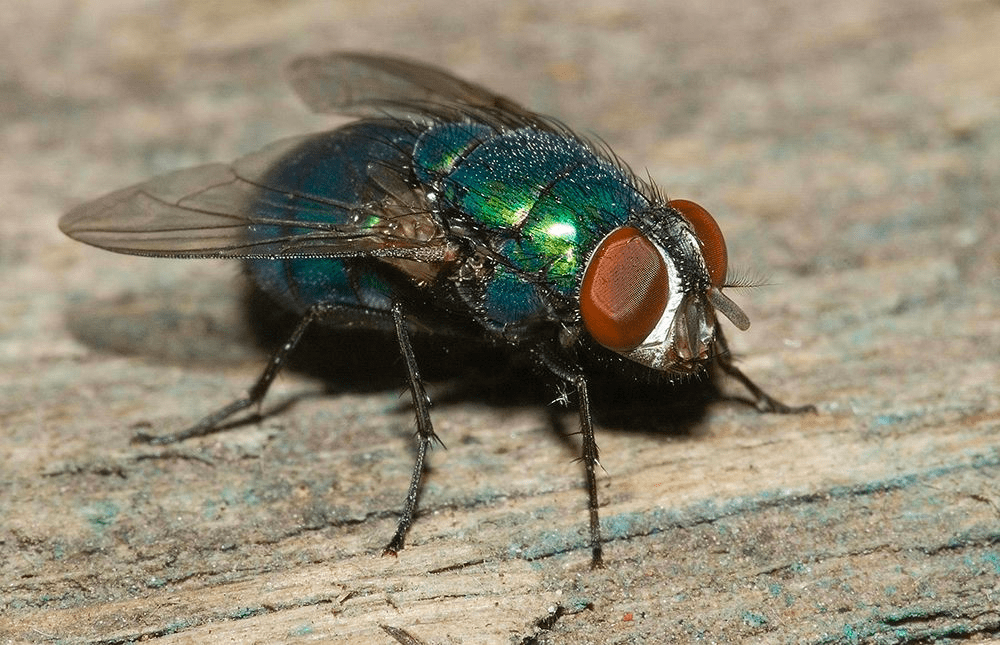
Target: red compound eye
point(624, 290)
point(713, 245)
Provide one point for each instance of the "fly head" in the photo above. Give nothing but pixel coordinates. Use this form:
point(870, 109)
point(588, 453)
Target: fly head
point(651, 288)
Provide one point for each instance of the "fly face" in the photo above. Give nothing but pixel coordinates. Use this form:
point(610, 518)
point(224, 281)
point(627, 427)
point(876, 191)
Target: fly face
point(651, 288)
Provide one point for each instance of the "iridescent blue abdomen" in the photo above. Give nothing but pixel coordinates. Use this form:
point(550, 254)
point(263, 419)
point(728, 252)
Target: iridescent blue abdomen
point(327, 179)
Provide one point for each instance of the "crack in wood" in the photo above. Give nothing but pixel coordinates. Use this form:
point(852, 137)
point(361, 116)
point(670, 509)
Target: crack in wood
point(401, 636)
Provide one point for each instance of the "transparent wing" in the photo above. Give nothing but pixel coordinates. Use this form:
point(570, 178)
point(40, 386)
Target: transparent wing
point(240, 211)
point(367, 85)
point(220, 211)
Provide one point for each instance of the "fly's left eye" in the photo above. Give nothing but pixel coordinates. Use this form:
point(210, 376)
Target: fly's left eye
point(624, 290)
point(706, 229)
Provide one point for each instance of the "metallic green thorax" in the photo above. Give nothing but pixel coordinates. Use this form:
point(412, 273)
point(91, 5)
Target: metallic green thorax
point(548, 198)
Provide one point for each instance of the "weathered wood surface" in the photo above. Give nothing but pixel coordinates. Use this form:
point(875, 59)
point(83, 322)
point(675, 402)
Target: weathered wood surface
point(851, 151)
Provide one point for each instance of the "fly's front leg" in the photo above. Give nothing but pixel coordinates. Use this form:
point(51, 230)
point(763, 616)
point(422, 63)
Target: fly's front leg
point(425, 431)
point(763, 401)
point(589, 452)
point(590, 459)
point(210, 424)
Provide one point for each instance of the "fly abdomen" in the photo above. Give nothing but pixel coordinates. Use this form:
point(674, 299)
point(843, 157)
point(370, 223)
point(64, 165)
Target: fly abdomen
point(327, 180)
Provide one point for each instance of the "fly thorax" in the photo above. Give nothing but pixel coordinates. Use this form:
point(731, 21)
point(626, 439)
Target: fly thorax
point(441, 147)
point(651, 288)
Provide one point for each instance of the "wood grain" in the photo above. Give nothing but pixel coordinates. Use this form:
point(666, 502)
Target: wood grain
point(850, 151)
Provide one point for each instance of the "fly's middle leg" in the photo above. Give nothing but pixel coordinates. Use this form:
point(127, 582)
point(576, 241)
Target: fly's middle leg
point(763, 401)
point(590, 456)
point(425, 431)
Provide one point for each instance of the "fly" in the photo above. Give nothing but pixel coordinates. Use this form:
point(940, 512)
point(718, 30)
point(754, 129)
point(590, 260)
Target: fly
point(449, 208)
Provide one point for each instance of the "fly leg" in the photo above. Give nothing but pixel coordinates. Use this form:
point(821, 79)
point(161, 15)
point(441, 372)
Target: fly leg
point(590, 459)
point(425, 431)
point(255, 395)
point(590, 452)
point(763, 401)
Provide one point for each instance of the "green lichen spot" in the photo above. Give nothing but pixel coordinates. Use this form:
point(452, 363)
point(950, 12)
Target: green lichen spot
point(100, 514)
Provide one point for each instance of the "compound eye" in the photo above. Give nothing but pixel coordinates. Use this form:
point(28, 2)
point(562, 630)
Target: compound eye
point(625, 290)
point(713, 245)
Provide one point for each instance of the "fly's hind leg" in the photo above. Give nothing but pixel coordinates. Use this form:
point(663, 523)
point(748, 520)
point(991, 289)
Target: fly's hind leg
point(254, 396)
point(763, 401)
point(425, 431)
